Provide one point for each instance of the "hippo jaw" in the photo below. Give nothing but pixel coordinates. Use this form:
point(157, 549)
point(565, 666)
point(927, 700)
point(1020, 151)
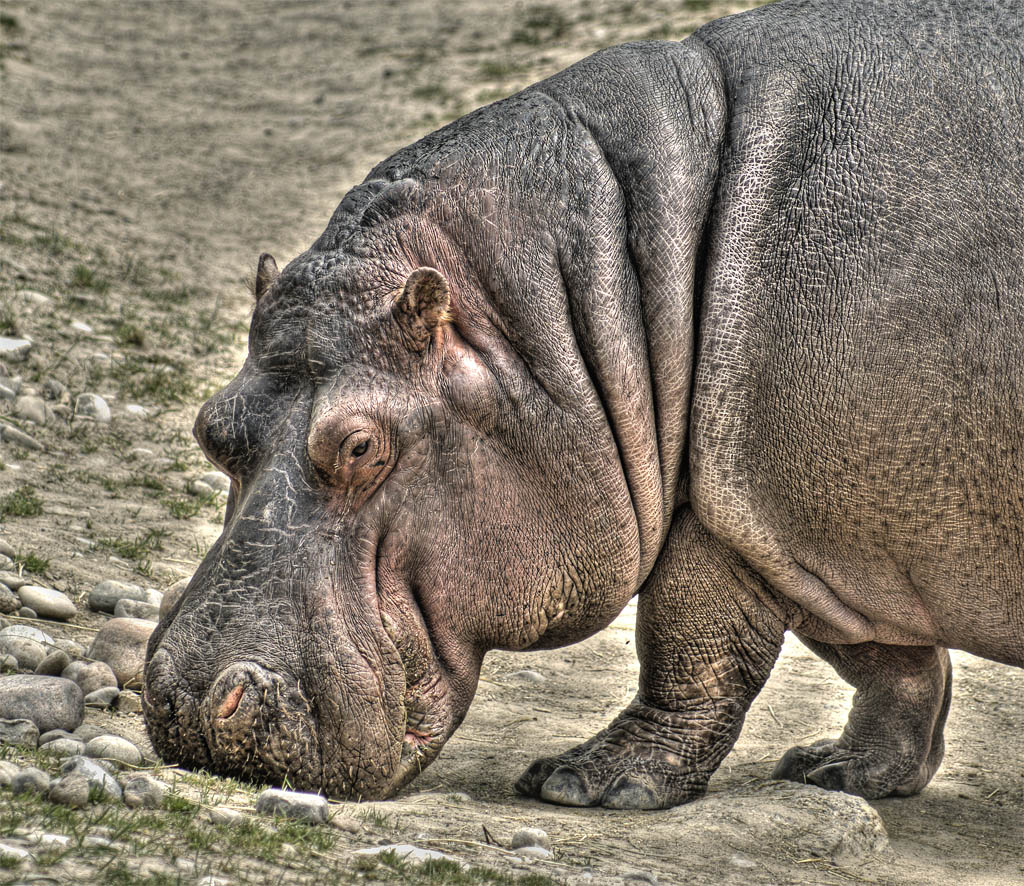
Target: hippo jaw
point(260, 724)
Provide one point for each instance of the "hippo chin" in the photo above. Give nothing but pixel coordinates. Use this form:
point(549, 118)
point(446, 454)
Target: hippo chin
point(734, 324)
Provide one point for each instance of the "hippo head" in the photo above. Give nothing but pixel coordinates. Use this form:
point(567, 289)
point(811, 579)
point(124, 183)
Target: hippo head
point(406, 493)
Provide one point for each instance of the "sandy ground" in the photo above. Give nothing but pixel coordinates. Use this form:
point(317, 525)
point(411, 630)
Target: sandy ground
point(161, 146)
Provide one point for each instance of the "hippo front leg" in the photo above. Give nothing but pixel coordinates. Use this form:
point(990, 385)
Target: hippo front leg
point(708, 635)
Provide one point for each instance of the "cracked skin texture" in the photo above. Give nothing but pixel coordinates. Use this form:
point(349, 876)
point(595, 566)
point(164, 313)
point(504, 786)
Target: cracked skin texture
point(734, 324)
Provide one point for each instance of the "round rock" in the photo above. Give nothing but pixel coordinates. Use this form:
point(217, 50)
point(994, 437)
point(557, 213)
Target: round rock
point(143, 791)
point(299, 805)
point(70, 790)
point(171, 596)
point(121, 643)
point(54, 663)
point(28, 612)
point(9, 601)
point(91, 675)
point(103, 698)
point(114, 748)
point(98, 777)
point(30, 779)
point(20, 733)
point(49, 702)
point(104, 597)
point(530, 837)
point(64, 747)
point(126, 608)
point(31, 408)
point(28, 632)
point(29, 653)
point(47, 603)
point(92, 406)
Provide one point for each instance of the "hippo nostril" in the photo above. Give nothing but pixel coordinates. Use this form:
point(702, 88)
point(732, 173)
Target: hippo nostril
point(230, 703)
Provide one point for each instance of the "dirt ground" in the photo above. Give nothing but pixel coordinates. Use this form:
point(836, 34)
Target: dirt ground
point(148, 152)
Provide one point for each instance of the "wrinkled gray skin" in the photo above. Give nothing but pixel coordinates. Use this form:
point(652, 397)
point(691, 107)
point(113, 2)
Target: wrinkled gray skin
point(735, 323)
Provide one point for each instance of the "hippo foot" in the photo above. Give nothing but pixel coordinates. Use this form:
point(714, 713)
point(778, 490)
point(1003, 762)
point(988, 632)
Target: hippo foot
point(633, 764)
point(868, 773)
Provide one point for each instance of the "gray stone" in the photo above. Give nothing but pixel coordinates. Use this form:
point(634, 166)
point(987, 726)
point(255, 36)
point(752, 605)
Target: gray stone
point(786, 819)
point(217, 481)
point(13, 856)
point(171, 596)
point(91, 675)
point(527, 676)
point(104, 597)
point(73, 648)
point(55, 390)
point(92, 406)
point(121, 643)
point(99, 779)
point(136, 409)
point(17, 437)
point(28, 632)
point(534, 852)
point(143, 791)
point(88, 731)
point(54, 663)
point(70, 790)
point(306, 807)
point(14, 349)
point(129, 702)
point(7, 393)
point(530, 837)
point(6, 548)
point(225, 815)
point(8, 663)
point(31, 408)
point(115, 749)
point(82, 327)
point(53, 735)
point(7, 771)
point(30, 779)
point(47, 602)
point(102, 698)
point(136, 609)
point(29, 653)
point(201, 489)
point(13, 580)
point(9, 601)
point(49, 702)
point(64, 747)
point(407, 853)
point(27, 612)
point(20, 733)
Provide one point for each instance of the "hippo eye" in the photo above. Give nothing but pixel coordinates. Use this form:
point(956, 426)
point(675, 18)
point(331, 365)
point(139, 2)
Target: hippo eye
point(360, 449)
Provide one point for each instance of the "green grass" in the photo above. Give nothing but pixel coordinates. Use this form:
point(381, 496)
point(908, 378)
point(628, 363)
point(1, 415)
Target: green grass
point(23, 502)
point(32, 563)
point(84, 277)
point(137, 549)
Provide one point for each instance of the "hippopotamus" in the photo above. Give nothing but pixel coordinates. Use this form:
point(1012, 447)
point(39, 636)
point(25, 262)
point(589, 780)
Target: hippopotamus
point(733, 325)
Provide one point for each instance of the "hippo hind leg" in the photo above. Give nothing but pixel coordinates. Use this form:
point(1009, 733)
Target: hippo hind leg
point(892, 743)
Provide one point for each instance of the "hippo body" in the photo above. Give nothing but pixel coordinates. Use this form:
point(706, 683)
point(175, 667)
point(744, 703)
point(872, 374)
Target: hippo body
point(735, 324)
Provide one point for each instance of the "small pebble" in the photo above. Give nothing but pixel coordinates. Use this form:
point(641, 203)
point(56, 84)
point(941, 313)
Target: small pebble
point(201, 489)
point(136, 410)
point(28, 653)
point(30, 779)
point(104, 597)
point(28, 632)
point(28, 612)
point(98, 777)
point(121, 643)
point(31, 408)
point(299, 805)
point(126, 608)
point(89, 731)
point(527, 676)
point(143, 791)
point(14, 349)
point(64, 747)
point(96, 841)
point(407, 853)
point(530, 837)
point(7, 771)
point(81, 326)
point(9, 601)
point(103, 698)
point(70, 790)
point(73, 648)
point(115, 748)
point(19, 733)
point(13, 856)
point(19, 438)
point(92, 406)
point(55, 390)
point(129, 702)
point(53, 665)
point(217, 481)
point(47, 602)
point(171, 596)
point(91, 675)
point(225, 815)
point(53, 735)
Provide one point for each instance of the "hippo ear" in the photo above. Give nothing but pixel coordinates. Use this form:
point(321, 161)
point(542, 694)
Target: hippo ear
point(422, 306)
point(266, 274)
